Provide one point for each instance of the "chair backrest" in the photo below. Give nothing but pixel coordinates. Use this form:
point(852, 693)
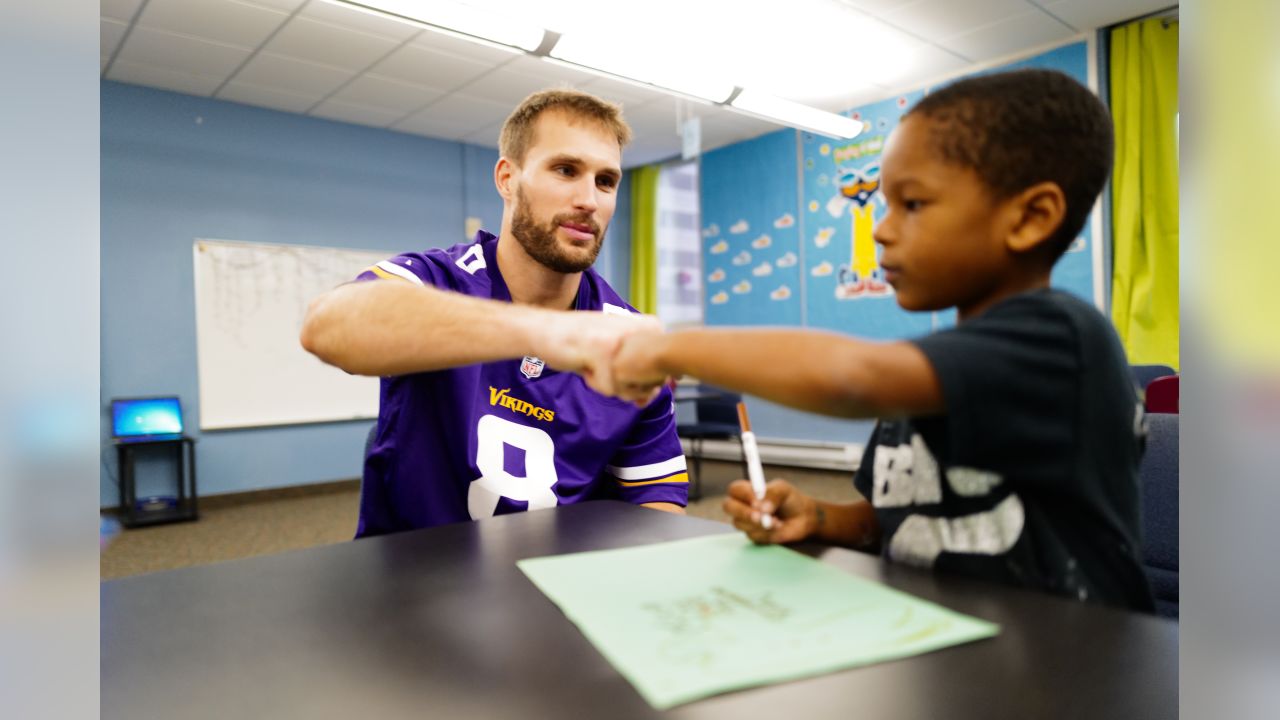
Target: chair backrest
point(1162, 395)
point(1144, 374)
point(1158, 475)
point(719, 406)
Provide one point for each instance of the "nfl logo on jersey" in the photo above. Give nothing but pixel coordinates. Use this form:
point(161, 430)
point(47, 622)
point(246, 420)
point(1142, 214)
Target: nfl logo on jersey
point(531, 367)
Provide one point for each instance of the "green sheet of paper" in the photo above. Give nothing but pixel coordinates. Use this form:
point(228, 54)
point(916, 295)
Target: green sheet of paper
point(686, 619)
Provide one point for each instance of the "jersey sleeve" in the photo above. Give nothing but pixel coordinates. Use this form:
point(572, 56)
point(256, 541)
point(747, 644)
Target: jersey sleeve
point(413, 268)
point(650, 465)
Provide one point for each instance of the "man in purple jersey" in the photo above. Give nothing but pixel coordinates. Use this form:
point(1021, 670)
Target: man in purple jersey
point(483, 347)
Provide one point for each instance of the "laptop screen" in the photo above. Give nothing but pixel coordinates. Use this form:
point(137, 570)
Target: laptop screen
point(141, 417)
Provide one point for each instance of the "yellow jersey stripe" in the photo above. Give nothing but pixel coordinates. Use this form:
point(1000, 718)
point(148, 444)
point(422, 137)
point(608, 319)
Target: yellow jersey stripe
point(383, 273)
point(678, 478)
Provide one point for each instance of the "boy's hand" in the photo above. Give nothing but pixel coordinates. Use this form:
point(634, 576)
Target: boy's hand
point(636, 376)
point(794, 513)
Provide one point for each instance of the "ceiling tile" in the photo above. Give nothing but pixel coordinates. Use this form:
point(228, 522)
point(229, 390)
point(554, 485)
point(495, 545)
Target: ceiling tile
point(386, 94)
point(1008, 36)
point(275, 99)
point(119, 9)
point(359, 114)
point(1091, 14)
point(345, 16)
point(291, 75)
point(628, 94)
point(181, 53)
point(284, 5)
point(225, 21)
point(487, 136)
point(109, 34)
point(423, 123)
point(420, 66)
point(162, 77)
point(937, 19)
point(930, 62)
point(553, 73)
point(877, 7)
point(508, 85)
point(482, 52)
point(455, 116)
point(319, 42)
point(471, 111)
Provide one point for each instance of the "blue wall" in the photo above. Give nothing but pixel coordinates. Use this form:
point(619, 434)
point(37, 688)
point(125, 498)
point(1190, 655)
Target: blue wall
point(176, 167)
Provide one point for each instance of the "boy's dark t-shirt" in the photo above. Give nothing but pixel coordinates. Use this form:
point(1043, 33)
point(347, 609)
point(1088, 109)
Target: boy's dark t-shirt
point(1031, 475)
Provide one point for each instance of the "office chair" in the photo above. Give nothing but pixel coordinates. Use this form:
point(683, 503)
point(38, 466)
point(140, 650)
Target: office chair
point(1158, 476)
point(1144, 374)
point(1162, 395)
point(716, 418)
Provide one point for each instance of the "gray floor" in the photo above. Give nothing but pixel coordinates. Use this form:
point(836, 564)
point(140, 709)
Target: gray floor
point(232, 528)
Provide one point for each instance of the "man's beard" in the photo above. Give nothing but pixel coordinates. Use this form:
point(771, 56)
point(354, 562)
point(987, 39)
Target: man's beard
point(540, 241)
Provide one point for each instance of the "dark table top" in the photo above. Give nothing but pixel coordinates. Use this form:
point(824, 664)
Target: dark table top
point(441, 623)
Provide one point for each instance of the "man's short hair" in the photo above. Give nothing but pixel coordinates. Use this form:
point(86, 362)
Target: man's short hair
point(517, 131)
point(1016, 129)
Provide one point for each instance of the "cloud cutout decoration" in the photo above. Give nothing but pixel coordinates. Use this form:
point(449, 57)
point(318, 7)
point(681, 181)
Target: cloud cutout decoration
point(716, 275)
point(785, 221)
point(836, 205)
point(762, 242)
point(720, 298)
point(787, 260)
point(711, 230)
point(782, 293)
point(739, 227)
point(823, 238)
point(742, 258)
point(762, 269)
point(822, 269)
point(720, 247)
point(742, 288)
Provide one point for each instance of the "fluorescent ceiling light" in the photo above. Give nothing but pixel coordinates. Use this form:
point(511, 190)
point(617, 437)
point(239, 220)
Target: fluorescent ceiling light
point(796, 115)
point(470, 22)
point(608, 55)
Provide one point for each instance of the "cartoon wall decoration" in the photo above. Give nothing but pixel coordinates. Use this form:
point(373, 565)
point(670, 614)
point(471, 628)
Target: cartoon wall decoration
point(816, 255)
point(750, 233)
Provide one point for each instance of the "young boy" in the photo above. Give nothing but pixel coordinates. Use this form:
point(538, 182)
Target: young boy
point(1008, 446)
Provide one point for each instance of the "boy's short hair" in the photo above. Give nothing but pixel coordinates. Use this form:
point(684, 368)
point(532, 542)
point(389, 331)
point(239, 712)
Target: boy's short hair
point(1016, 129)
point(517, 131)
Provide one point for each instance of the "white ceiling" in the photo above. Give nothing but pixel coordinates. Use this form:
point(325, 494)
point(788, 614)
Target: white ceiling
point(315, 58)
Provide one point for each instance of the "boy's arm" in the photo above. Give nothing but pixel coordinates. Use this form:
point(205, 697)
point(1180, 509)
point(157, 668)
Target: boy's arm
point(816, 371)
point(386, 327)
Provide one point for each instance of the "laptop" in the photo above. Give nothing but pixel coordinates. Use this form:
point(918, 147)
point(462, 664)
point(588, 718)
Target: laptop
point(146, 419)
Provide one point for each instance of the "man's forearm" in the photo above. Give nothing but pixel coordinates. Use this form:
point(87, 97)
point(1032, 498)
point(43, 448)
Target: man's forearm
point(391, 328)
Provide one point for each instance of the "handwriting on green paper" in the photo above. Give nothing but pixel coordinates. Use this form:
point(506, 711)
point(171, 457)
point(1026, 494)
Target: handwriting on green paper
point(690, 618)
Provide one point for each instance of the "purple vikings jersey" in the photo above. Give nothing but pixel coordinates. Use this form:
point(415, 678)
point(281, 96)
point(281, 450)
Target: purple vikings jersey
point(512, 435)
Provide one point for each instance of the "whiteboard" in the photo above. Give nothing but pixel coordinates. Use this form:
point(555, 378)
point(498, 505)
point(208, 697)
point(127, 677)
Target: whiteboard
point(250, 302)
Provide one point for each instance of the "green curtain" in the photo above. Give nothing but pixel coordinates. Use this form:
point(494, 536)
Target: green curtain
point(644, 245)
point(1144, 103)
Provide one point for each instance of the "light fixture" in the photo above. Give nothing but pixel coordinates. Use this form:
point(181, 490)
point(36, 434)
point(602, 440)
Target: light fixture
point(503, 25)
point(794, 114)
point(457, 19)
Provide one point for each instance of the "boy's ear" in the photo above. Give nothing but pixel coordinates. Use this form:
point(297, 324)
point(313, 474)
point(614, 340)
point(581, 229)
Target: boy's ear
point(504, 178)
point(1041, 210)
